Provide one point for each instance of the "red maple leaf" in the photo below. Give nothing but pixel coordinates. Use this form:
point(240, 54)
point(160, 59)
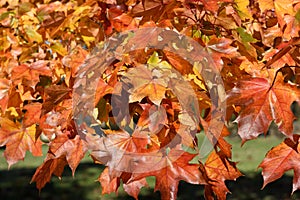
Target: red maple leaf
point(261, 104)
point(171, 169)
point(111, 183)
point(280, 159)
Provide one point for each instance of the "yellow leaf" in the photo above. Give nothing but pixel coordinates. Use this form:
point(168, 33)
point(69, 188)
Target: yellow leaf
point(59, 48)
point(33, 35)
point(266, 5)
point(87, 40)
point(243, 11)
point(13, 111)
point(284, 7)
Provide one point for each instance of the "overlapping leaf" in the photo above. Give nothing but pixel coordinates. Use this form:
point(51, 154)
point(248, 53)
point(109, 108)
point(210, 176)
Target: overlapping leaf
point(173, 168)
point(219, 169)
point(63, 151)
point(44, 44)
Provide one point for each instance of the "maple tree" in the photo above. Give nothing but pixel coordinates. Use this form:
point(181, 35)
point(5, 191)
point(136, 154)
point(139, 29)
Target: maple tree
point(136, 83)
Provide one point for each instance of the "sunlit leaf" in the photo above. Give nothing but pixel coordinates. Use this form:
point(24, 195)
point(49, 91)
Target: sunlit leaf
point(18, 140)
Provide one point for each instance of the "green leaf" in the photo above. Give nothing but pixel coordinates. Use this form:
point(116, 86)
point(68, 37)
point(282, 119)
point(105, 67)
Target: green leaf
point(246, 37)
point(33, 34)
point(154, 59)
point(5, 15)
point(297, 16)
point(25, 7)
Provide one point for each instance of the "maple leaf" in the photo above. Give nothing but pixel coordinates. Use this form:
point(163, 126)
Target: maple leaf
point(146, 82)
point(73, 149)
point(173, 168)
point(242, 7)
point(15, 99)
point(120, 151)
point(110, 183)
point(133, 188)
point(18, 140)
point(32, 115)
point(56, 94)
point(104, 88)
point(232, 71)
point(49, 41)
point(261, 104)
point(153, 118)
point(181, 65)
point(220, 47)
point(121, 154)
point(44, 172)
point(211, 5)
point(280, 159)
point(279, 58)
point(218, 169)
point(75, 59)
point(4, 93)
point(62, 151)
point(281, 7)
point(30, 73)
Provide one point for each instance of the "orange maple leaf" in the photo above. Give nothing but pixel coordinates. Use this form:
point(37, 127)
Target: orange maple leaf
point(18, 140)
point(173, 168)
point(261, 104)
point(219, 169)
point(280, 159)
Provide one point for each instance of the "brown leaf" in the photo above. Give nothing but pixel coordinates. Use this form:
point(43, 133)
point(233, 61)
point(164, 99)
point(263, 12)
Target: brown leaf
point(220, 47)
point(181, 65)
point(279, 58)
point(56, 94)
point(44, 172)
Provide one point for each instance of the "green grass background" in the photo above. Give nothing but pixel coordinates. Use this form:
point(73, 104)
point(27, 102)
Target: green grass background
point(14, 183)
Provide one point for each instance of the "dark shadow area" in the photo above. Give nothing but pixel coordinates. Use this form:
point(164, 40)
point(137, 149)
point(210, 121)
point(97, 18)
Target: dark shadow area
point(14, 184)
point(246, 188)
point(249, 187)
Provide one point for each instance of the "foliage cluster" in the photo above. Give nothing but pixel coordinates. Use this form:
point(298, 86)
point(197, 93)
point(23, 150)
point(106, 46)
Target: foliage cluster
point(254, 46)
